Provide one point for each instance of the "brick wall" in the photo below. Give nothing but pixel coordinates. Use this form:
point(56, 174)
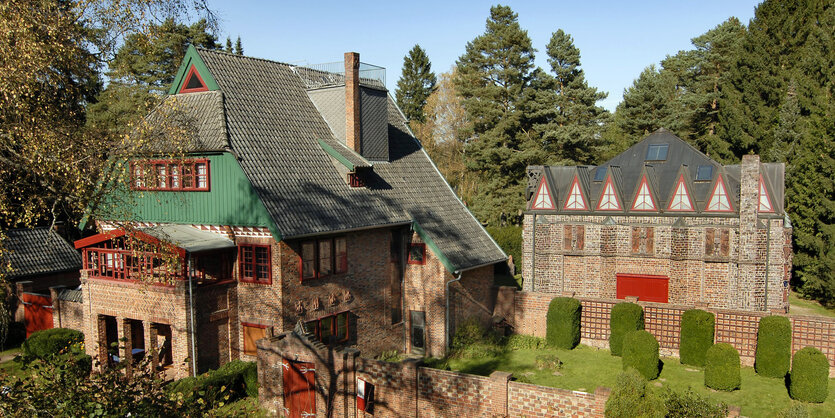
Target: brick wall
point(736, 327)
point(405, 389)
point(66, 313)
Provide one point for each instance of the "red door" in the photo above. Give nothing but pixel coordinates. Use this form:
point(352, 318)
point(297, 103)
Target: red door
point(37, 312)
point(299, 397)
point(647, 288)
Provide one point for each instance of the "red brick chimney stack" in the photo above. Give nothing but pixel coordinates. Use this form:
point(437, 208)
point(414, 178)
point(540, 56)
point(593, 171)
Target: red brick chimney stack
point(352, 101)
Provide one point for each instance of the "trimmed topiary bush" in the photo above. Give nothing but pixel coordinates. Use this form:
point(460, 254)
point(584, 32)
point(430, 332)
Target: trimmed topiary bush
point(809, 379)
point(774, 344)
point(234, 380)
point(697, 327)
point(722, 368)
point(50, 341)
point(640, 351)
point(632, 396)
point(563, 323)
point(625, 317)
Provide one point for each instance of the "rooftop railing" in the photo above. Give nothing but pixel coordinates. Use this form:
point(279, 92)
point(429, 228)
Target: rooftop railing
point(333, 74)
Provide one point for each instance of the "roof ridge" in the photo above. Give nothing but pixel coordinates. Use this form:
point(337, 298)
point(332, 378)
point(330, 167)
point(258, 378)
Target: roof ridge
point(221, 52)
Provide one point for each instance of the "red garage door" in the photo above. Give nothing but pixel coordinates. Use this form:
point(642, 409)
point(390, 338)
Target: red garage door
point(646, 288)
point(37, 312)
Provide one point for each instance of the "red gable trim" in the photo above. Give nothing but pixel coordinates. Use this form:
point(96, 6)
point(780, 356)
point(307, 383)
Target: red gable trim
point(713, 195)
point(192, 72)
point(546, 204)
point(641, 186)
point(575, 186)
point(764, 191)
point(681, 183)
point(606, 186)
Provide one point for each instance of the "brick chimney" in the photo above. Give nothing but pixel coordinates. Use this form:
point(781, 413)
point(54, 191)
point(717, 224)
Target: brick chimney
point(352, 101)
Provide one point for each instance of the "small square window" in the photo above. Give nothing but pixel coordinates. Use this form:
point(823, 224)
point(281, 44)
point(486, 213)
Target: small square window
point(657, 152)
point(704, 173)
point(600, 174)
point(417, 254)
point(255, 263)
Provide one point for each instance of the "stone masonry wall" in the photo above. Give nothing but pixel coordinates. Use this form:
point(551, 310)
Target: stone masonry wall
point(405, 389)
point(736, 327)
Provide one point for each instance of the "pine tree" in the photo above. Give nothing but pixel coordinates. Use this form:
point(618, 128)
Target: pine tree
point(239, 48)
point(416, 83)
point(647, 105)
point(565, 108)
point(492, 77)
point(228, 45)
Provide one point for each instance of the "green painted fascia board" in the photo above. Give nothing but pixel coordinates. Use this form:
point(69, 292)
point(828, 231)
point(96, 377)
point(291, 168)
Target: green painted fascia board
point(335, 154)
point(432, 246)
point(192, 57)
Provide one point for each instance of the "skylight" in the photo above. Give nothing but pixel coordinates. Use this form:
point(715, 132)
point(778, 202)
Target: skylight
point(657, 152)
point(704, 173)
point(600, 174)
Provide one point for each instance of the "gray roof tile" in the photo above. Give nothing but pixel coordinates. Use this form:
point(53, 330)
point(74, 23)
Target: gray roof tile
point(39, 251)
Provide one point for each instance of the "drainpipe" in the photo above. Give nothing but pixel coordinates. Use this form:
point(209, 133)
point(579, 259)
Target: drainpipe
point(193, 331)
point(447, 333)
point(767, 259)
point(533, 255)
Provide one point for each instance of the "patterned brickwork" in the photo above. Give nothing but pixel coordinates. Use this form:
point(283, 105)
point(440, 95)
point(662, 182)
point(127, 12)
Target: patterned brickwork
point(738, 329)
point(525, 400)
point(817, 332)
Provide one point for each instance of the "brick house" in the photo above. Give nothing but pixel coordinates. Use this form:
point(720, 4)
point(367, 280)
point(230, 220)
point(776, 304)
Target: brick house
point(304, 200)
point(661, 222)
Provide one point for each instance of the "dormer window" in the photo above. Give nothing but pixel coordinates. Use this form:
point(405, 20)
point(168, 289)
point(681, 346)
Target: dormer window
point(657, 152)
point(170, 175)
point(355, 180)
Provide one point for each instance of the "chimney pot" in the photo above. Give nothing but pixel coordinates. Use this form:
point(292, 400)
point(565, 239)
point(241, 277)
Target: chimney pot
point(352, 101)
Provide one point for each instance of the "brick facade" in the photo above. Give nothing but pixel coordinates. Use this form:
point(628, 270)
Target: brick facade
point(731, 261)
point(735, 327)
point(406, 389)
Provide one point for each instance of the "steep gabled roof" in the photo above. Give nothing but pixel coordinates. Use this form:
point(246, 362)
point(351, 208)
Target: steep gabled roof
point(39, 251)
point(277, 133)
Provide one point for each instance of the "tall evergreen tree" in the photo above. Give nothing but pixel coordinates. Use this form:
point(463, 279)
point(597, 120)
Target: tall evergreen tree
point(647, 105)
point(416, 83)
point(228, 45)
point(565, 109)
point(492, 77)
point(239, 48)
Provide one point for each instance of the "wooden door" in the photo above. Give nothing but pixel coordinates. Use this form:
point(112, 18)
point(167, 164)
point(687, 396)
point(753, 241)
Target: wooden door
point(37, 312)
point(299, 396)
point(647, 288)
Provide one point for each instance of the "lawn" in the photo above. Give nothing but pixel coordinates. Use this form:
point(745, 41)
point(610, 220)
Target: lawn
point(802, 306)
point(586, 368)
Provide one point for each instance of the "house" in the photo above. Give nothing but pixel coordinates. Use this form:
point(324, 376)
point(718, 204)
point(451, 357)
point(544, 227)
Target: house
point(664, 223)
point(37, 260)
point(303, 200)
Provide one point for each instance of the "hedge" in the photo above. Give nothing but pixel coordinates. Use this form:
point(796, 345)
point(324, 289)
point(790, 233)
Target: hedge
point(697, 328)
point(640, 351)
point(632, 394)
point(239, 378)
point(625, 317)
point(809, 379)
point(50, 341)
point(722, 368)
point(509, 239)
point(563, 323)
point(774, 341)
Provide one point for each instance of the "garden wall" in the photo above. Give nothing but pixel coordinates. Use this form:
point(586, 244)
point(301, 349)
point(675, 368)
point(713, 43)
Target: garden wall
point(738, 328)
point(405, 389)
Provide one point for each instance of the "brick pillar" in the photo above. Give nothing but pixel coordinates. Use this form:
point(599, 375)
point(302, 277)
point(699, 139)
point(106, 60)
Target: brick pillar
point(153, 333)
point(750, 281)
point(56, 306)
point(101, 332)
point(127, 351)
point(498, 393)
point(409, 399)
point(352, 102)
point(601, 395)
point(349, 382)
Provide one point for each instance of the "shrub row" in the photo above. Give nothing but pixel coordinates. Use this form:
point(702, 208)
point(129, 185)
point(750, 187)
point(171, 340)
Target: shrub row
point(237, 378)
point(51, 341)
point(697, 328)
point(625, 317)
point(640, 351)
point(563, 323)
point(722, 368)
point(809, 378)
point(774, 341)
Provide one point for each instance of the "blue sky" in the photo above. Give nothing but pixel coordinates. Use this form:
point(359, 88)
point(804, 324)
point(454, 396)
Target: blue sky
point(617, 39)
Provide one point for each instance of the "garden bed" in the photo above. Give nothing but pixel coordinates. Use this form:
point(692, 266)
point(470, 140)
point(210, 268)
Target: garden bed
point(586, 368)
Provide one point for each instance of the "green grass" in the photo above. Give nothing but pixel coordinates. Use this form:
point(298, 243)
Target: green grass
point(585, 368)
point(802, 306)
point(245, 407)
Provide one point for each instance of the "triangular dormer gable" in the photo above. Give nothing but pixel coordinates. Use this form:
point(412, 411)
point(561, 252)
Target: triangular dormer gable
point(542, 199)
point(193, 75)
point(720, 198)
point(609, 197)
point(644, 200)
point(576, 198)
point(765, 205)
point(681, 199)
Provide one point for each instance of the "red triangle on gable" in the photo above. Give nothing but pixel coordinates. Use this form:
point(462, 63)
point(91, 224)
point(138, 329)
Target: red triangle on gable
point(609, 199)
point(575, 200)
point(643, 199)
point(681, 201)
point(193, 83)
point(719, 201)
point(764, 200)
point(542, 200)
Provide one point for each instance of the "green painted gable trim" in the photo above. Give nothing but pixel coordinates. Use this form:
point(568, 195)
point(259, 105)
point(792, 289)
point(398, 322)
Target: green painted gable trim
point(193, 58)
point(431, 244)
point(335, 154)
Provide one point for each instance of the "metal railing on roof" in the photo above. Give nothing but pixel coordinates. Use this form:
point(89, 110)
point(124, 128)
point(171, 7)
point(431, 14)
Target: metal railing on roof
point(333, 74)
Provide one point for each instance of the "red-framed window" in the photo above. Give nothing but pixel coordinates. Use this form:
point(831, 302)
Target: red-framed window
point(332, 328)
point(171, 175)
point(252, 333)
point(323, 257)
point(417, 253)
point(255, 263)
point(355, 180)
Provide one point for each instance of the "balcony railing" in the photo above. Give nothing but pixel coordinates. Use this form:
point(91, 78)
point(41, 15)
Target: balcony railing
point(333, 74)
